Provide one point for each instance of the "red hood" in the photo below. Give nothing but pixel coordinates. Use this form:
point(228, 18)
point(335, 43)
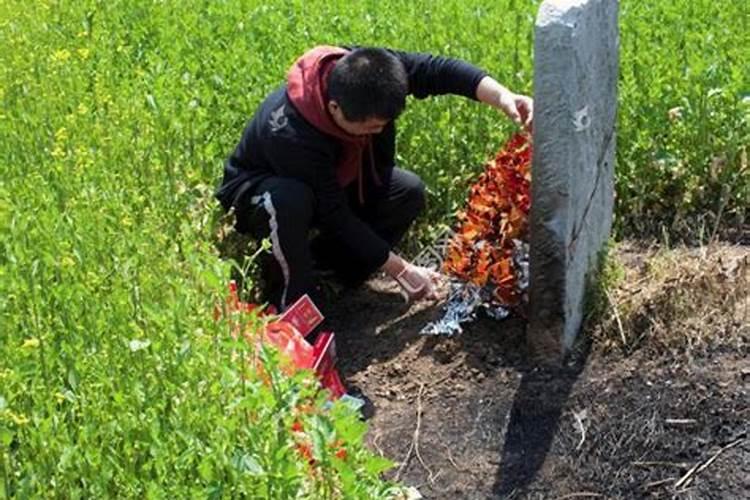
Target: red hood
point(307, 88)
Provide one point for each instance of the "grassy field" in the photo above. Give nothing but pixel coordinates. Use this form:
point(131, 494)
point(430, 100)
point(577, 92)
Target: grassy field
point(115, 120)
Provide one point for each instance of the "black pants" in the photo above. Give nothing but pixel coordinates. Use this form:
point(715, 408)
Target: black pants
point(283, 210)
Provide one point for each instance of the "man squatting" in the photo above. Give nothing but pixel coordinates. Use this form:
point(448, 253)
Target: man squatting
point(319, 154)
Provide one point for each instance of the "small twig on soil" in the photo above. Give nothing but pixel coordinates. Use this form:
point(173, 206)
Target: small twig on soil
point(414, 446)
point(617, 318)
point(443, 379)
point(416, 435)
point(680, 421)
point(654, 484)
point(579, 416)
point(406, 461)
point(700, 466)
point(453, 461)
point(582, 494)
point(679, 465)
point(375, 444)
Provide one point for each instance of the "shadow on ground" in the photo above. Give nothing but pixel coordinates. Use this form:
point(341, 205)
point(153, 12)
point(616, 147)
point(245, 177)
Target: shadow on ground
point(386, 356)
point(470, 417)
point(534, 420)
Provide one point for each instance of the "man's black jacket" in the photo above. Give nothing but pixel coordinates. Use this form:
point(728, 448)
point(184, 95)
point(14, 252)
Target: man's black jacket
point(278, 141)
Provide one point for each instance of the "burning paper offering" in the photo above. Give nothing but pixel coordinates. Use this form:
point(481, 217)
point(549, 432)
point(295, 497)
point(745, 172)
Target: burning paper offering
point(487, 255)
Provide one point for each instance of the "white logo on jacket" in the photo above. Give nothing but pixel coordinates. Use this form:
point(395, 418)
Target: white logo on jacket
point(278, 120)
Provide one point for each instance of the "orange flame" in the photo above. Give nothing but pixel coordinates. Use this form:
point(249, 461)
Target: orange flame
point(496, 213)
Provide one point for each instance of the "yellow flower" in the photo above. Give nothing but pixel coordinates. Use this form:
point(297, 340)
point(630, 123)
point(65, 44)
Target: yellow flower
point(30, 343)
point(18, 419)
point(60, 397)
point(82, 109)
point(58, 152)
point(84, 53)
point(60, 55)
point(61, 135)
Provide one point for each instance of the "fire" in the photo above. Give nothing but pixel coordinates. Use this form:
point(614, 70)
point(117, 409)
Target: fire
point(496, 213)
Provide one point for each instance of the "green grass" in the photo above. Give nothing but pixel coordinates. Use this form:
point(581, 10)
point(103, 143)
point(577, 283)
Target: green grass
point(115, 120)
point(690, 57)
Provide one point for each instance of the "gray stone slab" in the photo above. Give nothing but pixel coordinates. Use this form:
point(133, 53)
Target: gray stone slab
point(576, 58)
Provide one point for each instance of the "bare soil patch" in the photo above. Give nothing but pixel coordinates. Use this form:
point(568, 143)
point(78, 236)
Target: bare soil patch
point(473, 417)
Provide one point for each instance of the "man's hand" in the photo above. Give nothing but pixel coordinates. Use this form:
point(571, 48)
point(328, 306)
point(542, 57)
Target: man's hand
point(517, 107)
point(416, 282)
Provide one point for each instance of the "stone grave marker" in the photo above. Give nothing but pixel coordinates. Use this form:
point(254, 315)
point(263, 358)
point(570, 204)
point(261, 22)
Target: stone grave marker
point(576, 61)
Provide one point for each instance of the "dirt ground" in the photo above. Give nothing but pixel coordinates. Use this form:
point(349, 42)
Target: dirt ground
point(473, 417)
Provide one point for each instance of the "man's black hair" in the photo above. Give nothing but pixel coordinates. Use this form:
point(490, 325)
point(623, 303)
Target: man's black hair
point(369, 83)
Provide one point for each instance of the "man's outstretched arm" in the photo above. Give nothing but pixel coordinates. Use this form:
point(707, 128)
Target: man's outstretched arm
point(436, 75)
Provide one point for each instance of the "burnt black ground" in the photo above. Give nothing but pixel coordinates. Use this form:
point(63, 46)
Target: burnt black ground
point(492, 424)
